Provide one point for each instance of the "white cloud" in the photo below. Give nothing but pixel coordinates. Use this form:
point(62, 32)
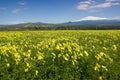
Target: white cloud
point(22, 3)
point(116, 17)
point(92, 18)
point(111, 0)
point(16, 11)
point(84, 5)
point(90, 4)
point(103, 5)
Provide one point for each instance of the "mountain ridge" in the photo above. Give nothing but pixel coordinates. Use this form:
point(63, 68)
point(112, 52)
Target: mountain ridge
point(84, 24)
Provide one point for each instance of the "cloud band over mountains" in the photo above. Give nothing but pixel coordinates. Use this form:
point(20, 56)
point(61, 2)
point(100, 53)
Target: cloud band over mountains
point(92, 4)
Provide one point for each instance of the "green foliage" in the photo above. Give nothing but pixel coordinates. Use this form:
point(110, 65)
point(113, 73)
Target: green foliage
point(60, 55)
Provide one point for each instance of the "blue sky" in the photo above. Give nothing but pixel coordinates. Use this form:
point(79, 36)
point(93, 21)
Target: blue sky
point(56, 11)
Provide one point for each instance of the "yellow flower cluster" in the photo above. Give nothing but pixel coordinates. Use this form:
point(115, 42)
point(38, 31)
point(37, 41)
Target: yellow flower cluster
point(102, 56)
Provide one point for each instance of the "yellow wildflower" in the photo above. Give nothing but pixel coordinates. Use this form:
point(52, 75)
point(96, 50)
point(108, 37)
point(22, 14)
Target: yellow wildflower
point(86, 53)
point(8, 65)
point(57, 47)
point(100, 78)
point(26, 70)
point(36, 72)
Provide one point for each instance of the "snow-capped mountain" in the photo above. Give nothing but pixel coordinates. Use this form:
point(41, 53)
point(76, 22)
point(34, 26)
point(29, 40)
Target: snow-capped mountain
point(91, 18)
point(94, 21)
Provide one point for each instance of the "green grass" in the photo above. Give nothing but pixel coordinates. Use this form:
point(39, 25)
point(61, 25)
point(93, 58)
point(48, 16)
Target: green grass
point(60, 55)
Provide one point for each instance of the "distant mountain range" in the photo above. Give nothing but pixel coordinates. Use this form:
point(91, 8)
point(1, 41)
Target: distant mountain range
point(95, 23)
point(81, 24)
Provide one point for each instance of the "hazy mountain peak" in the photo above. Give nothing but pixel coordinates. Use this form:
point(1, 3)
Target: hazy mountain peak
point(92, 18)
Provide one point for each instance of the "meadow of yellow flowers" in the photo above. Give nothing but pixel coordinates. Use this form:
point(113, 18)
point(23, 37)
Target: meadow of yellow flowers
point(60, 55)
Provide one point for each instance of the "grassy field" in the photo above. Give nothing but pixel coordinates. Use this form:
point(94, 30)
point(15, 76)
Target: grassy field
point(60, 55)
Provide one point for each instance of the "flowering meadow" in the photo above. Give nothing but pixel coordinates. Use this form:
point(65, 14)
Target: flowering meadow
point(60, 55)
